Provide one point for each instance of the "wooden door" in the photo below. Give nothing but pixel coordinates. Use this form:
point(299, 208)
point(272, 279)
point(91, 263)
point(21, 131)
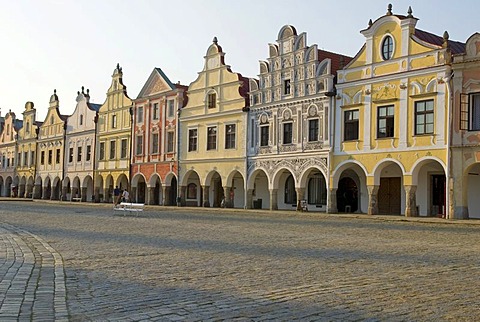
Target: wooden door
point(389, 196)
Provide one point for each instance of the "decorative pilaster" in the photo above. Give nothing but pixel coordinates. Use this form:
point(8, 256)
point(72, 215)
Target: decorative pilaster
point(273, 199)
point(372, 200)
point(84, 194)
point(206, 196)
point(44, 193)
point(410, 201)
point(150, 197)
point(228, 197)
point(165, 196)
point(300, 196)
point(332, 201)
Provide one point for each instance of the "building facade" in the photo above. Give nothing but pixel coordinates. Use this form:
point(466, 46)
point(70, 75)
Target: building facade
point(392, 118)
point(213, 136)
point(465, 131)
point(154, 167)
point(50, 156)
point(80, 150)
point(8, 153)
point(113, 146)
point(289, 139)
point(27, 151)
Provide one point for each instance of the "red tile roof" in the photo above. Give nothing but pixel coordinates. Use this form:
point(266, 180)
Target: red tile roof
point(456, 46)
point(338, 61)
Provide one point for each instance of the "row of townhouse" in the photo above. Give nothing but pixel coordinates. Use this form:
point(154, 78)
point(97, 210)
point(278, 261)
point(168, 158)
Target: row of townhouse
point(393, 130)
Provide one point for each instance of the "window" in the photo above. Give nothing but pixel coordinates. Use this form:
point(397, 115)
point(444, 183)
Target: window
point(287, 132)
point(211, 138)
point(424, 117)
point(387, 48)
point(19, 158)
point(114, 121)
point(155, 111)
point(50, 156)
point(470, 112)
point(351, 125)
point(27, 127)
point(312, 130)
point(140, 114)
point(290, 193)
point(81, 119)
point(57, 158)
point(89, 152)
point(123, 151)
point(101, 151)
point(79, 154)
point(230, 136)
point(386, 118)
point(317, 190)
point(25, 158)
point(155, 143)
point(286, 87)
point(170, 141)
point(264, 135)
point(139, 145)
point(171, 108)
point(192, 191)
point(112, 149)
point(211, 100)
point(32, 157)
point(192, 140)
point(70, 155)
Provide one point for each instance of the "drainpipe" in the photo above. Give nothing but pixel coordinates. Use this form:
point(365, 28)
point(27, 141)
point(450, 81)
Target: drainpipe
point(129, 185)
point(37, 130)
point(63, 161)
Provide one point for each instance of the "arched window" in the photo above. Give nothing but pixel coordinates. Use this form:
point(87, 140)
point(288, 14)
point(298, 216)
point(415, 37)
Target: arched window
point(290, 194)
point(387, 48)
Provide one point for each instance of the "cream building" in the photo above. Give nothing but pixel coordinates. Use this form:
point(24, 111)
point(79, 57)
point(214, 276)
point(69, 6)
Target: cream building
point(27, 151)
point(8, 153)
point(113, 146)
point(465, 133)
point(50, 153)
point(392, 119)
point(212, 136)
point(79, 150)
point(289, 140)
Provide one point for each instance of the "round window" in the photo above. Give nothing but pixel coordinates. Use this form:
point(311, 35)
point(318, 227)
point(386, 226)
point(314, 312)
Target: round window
point(387, 48)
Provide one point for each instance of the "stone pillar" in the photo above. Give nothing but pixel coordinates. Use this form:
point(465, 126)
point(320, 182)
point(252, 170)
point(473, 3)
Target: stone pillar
point(300, 196)
point(249, 198)
point(37, 191)
point(206, 196)
point(228, 199)
point(84, 194)
point(183, 193)
point(96, 193)
point(410, 201)
point(28, 191)
point(273, 199)
point(107, 194)
point(21, 191)
point(372, 200)
point(332, 201)
point(133, 194)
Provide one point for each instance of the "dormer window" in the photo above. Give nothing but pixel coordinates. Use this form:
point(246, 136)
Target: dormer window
point(387, 48)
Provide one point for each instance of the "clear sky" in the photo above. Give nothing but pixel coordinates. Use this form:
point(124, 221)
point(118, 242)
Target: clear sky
point(66, 44)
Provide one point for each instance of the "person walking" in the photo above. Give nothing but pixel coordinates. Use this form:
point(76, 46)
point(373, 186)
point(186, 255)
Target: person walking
point(116, 196)
point(125, 196)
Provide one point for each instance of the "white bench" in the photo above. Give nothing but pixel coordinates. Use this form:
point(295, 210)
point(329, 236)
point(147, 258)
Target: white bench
point(129, 206)
point(77, 199)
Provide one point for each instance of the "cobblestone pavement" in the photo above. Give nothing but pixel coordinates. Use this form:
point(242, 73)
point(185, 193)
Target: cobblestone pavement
point(171, 264)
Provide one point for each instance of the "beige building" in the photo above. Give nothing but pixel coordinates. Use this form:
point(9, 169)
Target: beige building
point(8, 161)
point(113, 146)
point(50, 155)
point(212, 136)
point(27, 151)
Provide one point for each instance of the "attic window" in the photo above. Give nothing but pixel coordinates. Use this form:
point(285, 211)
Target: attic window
point(387, 48)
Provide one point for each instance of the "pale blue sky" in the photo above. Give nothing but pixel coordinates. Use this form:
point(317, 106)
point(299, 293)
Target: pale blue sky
point(63, 45)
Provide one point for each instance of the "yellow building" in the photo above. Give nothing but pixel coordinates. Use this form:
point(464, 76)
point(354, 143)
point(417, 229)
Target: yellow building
point(8, 161)
point(113, 140)
point(50, 146)
point(27, 147)
point(392, 103)
point(212, 140)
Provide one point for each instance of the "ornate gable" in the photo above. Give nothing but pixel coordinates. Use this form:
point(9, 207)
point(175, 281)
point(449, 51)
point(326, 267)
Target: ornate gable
point(157, 83)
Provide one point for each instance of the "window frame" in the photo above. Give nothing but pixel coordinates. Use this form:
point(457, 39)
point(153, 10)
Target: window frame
point(139, 116)
point(389, 128)
point(287, 87)
point(212, 135)
point(264, 135)
point(170, 141)
point(79, 153)
point(211, 100)
point(70, 155)
point(155, 110)
point(155, 143)
point(113, 148)
point(348, 123)
point(287, 132)
point(170, 108)
point(192, 140)
point(123, 148)
point(230, 137)
point(387, 47)
point(425, 113)
point(101, 151)
point(139, 144)
point(313, 132)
